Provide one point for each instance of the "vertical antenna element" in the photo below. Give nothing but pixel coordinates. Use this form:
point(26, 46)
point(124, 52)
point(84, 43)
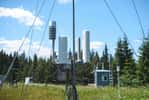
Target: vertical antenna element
point(74, 91)
point(52, 36)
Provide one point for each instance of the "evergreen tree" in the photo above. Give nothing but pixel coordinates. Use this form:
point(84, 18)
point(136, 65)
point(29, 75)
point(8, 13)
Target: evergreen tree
point(97, 59)
point(124, 58)
point(129, 66)
point(3, 62)
point(94, 59)
point(52, 71)
point(84, 73)
point(119, 57)
point(143, 63)
point(21, 68)
point(105, 58)
point(35, 71)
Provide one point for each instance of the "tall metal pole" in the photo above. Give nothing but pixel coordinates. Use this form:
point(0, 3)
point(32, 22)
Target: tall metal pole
point(109, 68)
point(118, 80)
point(74, 91)
point(53, 53)
point(110, 71)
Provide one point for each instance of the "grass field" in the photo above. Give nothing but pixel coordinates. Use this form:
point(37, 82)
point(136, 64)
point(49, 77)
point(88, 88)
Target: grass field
point(57, 92)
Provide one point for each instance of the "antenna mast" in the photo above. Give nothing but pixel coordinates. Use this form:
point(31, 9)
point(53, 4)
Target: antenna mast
point(74, 91)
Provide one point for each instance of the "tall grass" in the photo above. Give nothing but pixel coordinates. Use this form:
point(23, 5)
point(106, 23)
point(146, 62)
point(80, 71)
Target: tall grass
point(57, 92)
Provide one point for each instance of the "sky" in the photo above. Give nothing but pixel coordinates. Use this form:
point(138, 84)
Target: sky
point(16, 17)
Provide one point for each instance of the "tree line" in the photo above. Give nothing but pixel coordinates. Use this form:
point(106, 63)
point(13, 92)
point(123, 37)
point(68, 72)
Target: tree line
point(132, 71)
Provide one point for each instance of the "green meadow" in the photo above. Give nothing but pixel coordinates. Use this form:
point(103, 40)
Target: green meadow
point(57, 92)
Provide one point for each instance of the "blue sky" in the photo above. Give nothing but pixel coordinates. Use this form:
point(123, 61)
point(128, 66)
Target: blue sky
point(16, 17)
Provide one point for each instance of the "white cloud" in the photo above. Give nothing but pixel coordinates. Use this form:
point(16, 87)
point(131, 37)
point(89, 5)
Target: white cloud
point(9, 46)
point(96, 44)
point(64, 1)
point(23, 16)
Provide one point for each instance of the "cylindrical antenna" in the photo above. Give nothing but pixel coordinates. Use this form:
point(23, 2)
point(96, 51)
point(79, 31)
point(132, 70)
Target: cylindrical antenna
point(52, 36)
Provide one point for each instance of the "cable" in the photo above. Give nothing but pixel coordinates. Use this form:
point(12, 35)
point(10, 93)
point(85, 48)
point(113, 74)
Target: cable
point(47, 23)
point(119, 25)
point(30, 45)
point(139, 19)
point(32, 33)
point(116, 20)
point(49, 17)
point(27, 34)
point(30, 70)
